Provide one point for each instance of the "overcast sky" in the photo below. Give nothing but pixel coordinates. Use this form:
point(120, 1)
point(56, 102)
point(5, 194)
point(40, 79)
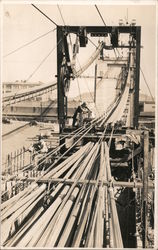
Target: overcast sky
point(23, 23)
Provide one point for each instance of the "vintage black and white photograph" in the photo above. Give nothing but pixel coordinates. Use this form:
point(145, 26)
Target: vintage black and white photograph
point(78, 110)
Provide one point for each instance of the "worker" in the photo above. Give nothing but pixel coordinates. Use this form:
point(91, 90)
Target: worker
point(37, 150)
point(44, 148)
point(78, 115)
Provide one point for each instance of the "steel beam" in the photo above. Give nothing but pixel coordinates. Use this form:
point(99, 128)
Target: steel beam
point(90, 182)
point(137, 76)
point(95, 83)
point(145, 190)
point(60, 78)
point(96, 30)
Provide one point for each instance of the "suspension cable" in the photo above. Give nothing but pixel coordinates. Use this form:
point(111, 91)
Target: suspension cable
point(42, 62)
point(88, 89)
point(79, 89)
point(44, 14)
point(100, 14)
point(147, 84)
point(64, 24)
point(71, 47)
point(26, 44)
point(61, 14)
point(92, 42)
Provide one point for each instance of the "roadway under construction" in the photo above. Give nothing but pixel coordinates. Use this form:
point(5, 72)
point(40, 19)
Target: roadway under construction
point(86, 192)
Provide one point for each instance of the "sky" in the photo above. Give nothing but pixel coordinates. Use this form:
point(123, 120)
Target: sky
point(22, 23)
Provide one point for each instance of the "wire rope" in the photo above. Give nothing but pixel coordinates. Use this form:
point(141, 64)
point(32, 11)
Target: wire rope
point(26, 44)
point(61, 14)
point(89, 89)
point(44, 59)
point(100, 14)
point(147, 84)
point(44, 14)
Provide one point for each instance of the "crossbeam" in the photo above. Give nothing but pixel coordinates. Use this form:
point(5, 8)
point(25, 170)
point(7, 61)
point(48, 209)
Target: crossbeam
point(96, 30)
point(90, 182)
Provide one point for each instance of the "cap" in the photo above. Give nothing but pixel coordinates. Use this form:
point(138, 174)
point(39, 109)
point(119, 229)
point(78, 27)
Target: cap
point(83, 104)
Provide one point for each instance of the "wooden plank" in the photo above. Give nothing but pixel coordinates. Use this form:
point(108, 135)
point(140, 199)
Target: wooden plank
point(37, 238)
point(36, 232)
point(99, 237)
point(115, 222)
point(19, 235)
point(62, 218)
point(9, 203)
point(82, 172)
point(91, 234)
point(115, 227)
point(84, 217)
point(29, 202)
point(69, 230)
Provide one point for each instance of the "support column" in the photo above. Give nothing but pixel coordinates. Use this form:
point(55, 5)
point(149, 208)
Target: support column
point(137, 75)
point(95, 83)
point(145, 188)
point(132, 68)
point(60, 79)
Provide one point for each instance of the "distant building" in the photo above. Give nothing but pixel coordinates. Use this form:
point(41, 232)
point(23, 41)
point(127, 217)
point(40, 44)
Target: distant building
point(37, 110)
point(147, 111)
point(10, 87)
point(45, 109)
point(15, 87)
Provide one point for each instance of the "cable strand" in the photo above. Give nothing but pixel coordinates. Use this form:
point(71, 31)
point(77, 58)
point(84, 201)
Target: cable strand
point(100, 14)
point(45, 58)
point(26, 44)
point(44, 14)
point(147, 84)
point(61, 14)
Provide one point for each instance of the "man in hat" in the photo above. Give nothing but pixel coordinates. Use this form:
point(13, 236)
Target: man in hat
point(78, 115)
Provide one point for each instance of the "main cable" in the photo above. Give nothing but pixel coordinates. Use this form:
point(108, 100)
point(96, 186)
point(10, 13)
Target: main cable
point(44, 14)
point(100, 14)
